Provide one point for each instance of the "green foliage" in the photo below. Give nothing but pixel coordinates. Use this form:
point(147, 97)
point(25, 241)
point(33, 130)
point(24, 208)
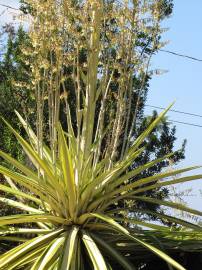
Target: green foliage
point(18, 96)
point(84, 194)
point(12, 70)
point(73, 224)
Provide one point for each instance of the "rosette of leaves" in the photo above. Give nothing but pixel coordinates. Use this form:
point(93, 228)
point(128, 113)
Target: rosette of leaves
point(70, 205)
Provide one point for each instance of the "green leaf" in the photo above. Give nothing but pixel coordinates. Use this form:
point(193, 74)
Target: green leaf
point(17, 219)
point(69, 249)
point(13, 239)
point(33, 138)
point(68, 172)
point(168, 183)
point(33, 155)
point(110, 250)
point(51, 253)
point(150, 247)
point(169, 204)
point(144, 134)
point(109, 176)
point(16, 253)
point(19, 166)
point(40, 257)
point(141, 223)
point(16, 230)
point(25, 181)
point(105, 218)
point(19, 193)
point(26, 259)
point(20, 205)
point(158, 252)
point(47, 195)
point(129, 194)
point(108, 196)
point(94, 253)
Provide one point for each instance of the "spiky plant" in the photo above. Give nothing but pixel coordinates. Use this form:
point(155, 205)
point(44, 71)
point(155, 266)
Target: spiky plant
point(71, 195)
point(71, 204)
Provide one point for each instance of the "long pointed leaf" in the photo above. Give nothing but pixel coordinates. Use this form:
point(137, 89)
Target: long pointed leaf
point(17, 219)
point(20, 205)
point(110, 250)
point(94, 253)
point(169, 204)
point(158, 252)
point(17, 252)
point(69, 249)
point(19, 193)
point(51, 253)
point(68, 172)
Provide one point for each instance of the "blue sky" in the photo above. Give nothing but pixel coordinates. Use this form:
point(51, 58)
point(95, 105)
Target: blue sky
point(6, 14)
point(182, 83)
